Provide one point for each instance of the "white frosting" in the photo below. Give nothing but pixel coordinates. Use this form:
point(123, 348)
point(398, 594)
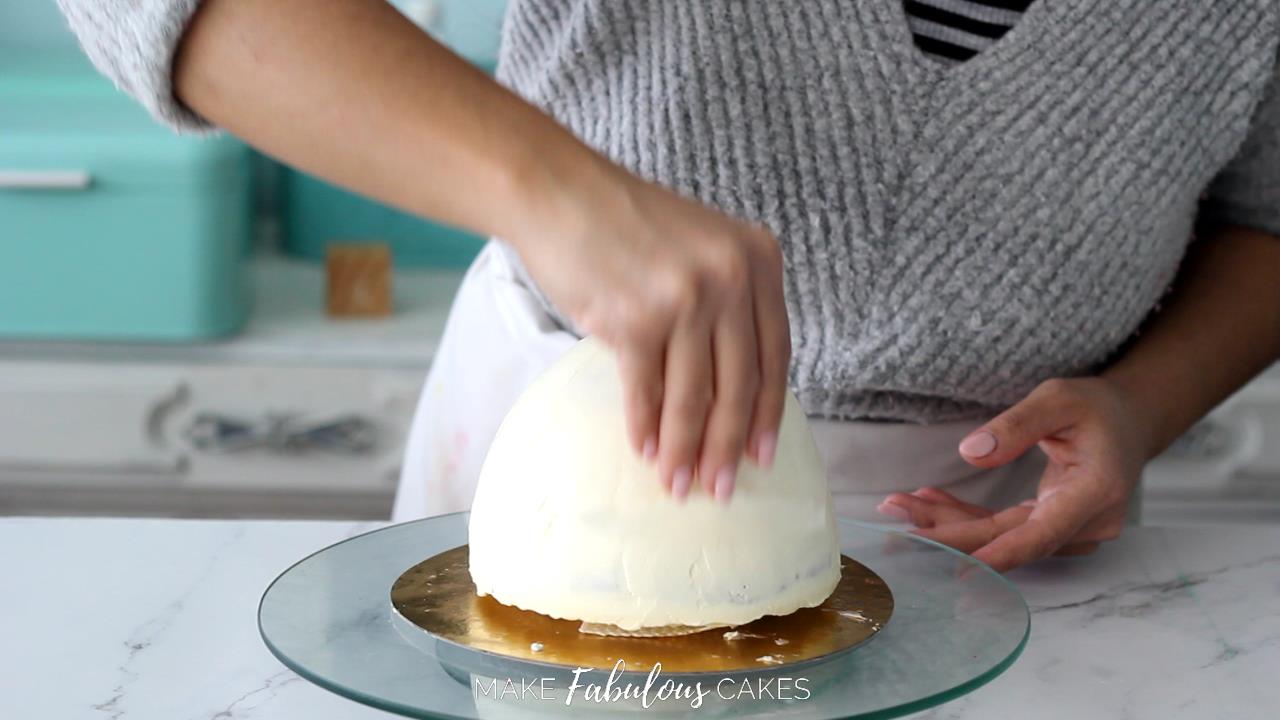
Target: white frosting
point(570, 522)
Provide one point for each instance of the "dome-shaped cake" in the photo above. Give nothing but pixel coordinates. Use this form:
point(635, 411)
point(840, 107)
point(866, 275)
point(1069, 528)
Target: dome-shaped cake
point(569, 521)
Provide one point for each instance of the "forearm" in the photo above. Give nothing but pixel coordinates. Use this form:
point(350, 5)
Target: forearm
point(351, 91)
point(1219, 328)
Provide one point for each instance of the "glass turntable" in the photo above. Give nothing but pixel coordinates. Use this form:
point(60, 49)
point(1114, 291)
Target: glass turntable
point(955, 625)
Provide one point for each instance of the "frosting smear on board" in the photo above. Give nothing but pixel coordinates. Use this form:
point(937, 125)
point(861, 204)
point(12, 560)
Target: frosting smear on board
point(569, 521)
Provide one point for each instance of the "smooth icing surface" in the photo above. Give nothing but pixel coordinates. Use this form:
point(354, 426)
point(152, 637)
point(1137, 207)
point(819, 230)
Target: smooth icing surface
point(570, 522)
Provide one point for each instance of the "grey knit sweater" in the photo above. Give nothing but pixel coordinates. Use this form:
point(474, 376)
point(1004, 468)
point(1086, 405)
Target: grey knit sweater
point(953, 235)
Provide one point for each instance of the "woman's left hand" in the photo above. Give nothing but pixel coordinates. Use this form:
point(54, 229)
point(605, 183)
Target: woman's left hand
point(1096, 451)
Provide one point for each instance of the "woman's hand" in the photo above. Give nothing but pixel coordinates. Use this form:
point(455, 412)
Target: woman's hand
point(692, 301)
point(1096, 454)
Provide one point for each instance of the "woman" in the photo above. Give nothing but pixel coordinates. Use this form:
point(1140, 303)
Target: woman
point(929, 246)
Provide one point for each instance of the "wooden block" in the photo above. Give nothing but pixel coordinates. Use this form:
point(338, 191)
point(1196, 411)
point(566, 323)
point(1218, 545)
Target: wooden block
point(359, 282)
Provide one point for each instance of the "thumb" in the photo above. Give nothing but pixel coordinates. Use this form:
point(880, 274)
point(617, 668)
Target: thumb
point(1014, 431)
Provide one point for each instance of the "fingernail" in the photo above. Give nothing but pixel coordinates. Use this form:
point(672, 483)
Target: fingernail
point(766, 446)
point(681, 481)
point(895, 511)
point(979, 444)
point(725, 479)
point(650, 450)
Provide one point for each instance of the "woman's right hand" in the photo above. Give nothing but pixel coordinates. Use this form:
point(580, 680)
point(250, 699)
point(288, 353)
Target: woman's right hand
point(691, 299)
point(692, 302)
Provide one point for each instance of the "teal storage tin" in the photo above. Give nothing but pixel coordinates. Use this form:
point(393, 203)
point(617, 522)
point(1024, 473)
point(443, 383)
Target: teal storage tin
point(111, 226)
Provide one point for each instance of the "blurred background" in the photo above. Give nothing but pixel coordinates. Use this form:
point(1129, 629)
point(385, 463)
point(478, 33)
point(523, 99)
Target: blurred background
point(168, 340)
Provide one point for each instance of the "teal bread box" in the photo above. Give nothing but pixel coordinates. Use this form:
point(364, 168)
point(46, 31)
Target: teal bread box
point(111, 226)
point(317, 214)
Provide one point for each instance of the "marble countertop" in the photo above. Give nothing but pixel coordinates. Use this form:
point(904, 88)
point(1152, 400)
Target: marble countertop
point(149, 619)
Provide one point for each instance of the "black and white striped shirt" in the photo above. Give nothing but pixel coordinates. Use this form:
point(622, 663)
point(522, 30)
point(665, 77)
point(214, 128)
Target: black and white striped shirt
point(953, 31)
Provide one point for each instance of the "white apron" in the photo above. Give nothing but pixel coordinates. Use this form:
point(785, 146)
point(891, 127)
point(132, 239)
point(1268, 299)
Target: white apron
point(498, 339)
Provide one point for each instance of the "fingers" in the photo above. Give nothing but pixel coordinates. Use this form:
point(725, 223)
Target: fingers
point(1057, 524)
point(640, 365)
point(968, 536)
point(925, 513)
point(1090, 537)
point(1103, 528)
point(704, 358)
point(737, 377)
point(1054, 520)
point(938, 495)
point(686, 399)
point(773, 334)
point(1021, 544)
point(1004, 541)
point(694, 302)
point(1047, 410)
point(745, 376)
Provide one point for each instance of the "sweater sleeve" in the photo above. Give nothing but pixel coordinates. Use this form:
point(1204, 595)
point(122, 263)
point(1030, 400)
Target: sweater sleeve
point(133, 43)
point(1247, 191)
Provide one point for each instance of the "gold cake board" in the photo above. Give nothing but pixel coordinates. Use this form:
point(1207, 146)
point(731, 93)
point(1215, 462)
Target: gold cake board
point(437, 595)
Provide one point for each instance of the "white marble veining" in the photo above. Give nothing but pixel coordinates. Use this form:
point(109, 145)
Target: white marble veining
point(140, 619)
